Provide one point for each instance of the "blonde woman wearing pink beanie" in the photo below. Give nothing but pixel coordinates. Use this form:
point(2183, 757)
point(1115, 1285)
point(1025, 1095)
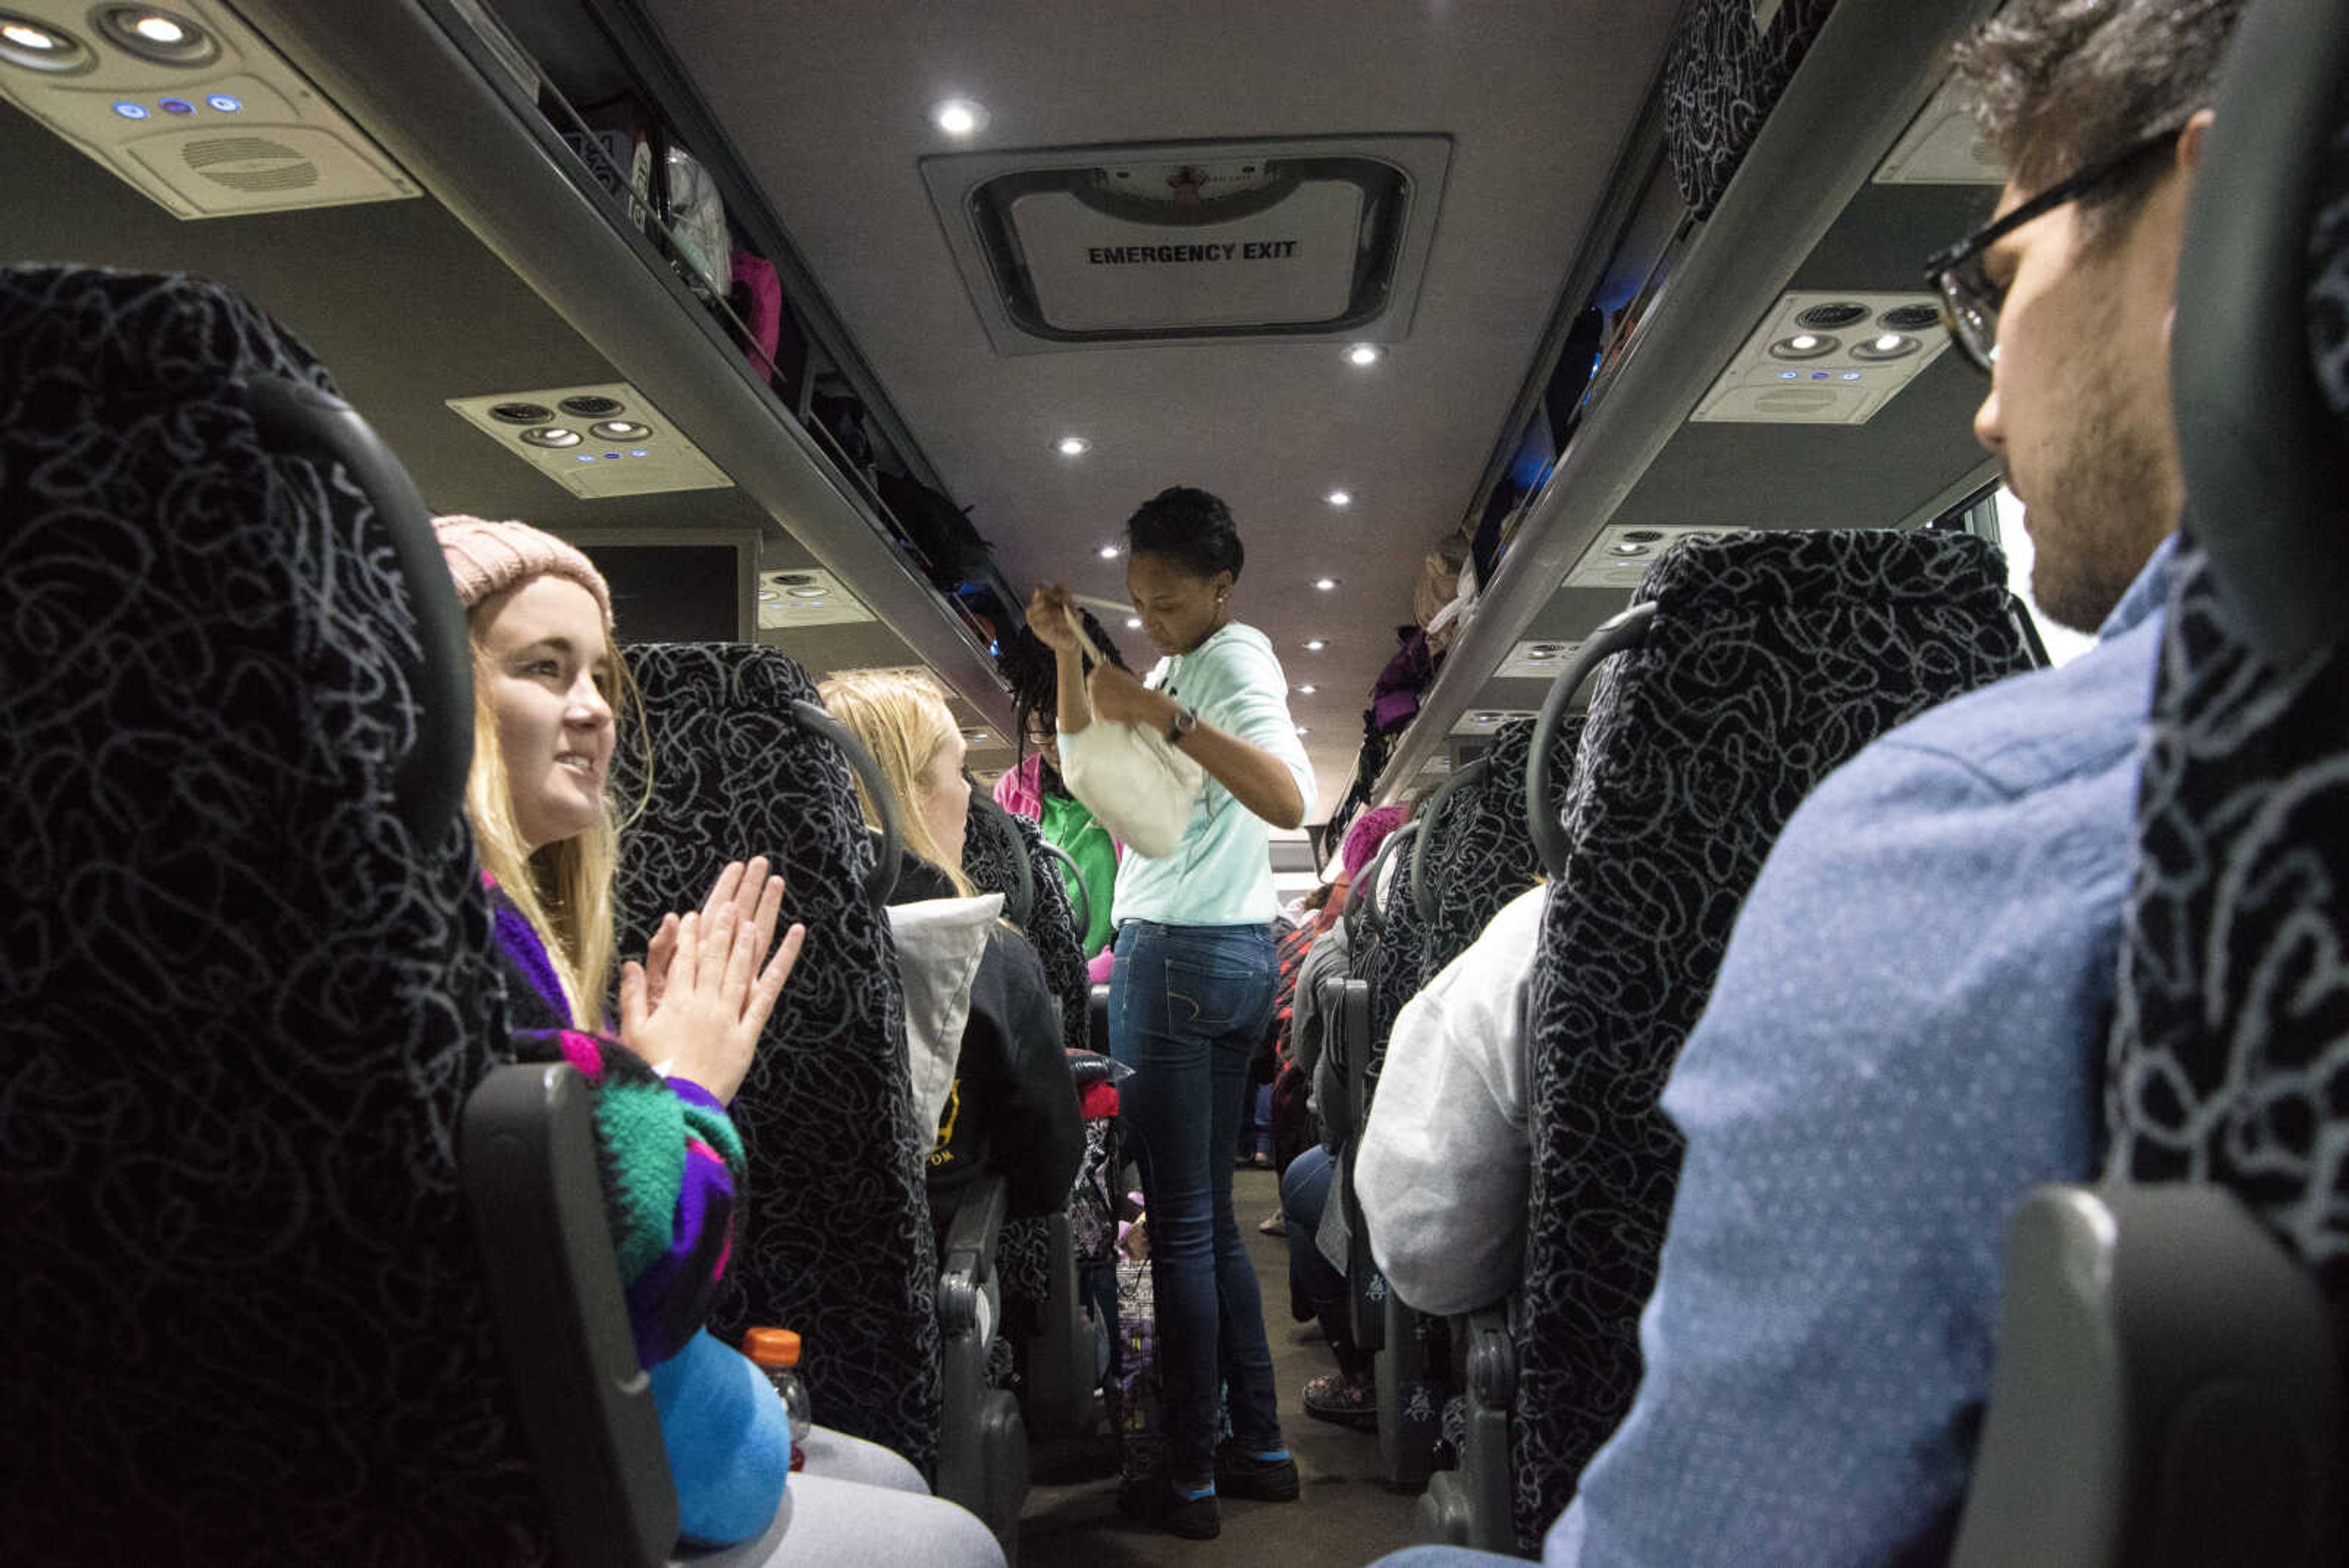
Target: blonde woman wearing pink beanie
point(550, 689)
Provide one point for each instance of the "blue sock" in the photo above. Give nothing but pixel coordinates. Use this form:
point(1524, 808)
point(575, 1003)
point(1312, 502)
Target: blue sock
point(1268, 1456)
point(1193, 1493)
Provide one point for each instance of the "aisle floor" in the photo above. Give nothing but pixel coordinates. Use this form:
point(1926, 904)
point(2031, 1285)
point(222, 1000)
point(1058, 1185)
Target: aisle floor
point(1346, 1518)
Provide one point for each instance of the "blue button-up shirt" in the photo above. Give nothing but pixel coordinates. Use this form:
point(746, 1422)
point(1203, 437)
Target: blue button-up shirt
point(1905, 1038)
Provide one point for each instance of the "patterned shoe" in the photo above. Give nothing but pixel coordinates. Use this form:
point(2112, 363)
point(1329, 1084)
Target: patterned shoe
point(1343, 1400)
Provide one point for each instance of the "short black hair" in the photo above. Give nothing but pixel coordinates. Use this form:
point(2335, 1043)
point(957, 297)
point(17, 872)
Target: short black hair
point(2062, 84)
point(1033, 671)
point(1189, 527)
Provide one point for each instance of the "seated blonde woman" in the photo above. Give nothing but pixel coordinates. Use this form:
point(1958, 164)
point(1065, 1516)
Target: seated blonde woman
point(1009, 1105)
point(549, 692)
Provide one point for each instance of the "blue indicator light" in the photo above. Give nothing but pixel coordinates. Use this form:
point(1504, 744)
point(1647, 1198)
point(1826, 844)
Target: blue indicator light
point(1818, 375)
point(586, 457)
point(131, 111)
point(1790, 375)
point(176, 106)
point(613, 455)
point(222, 102)
point(1851, 375)
point(639, 452)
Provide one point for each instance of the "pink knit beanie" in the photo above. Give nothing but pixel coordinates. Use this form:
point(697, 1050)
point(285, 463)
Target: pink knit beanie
point(1369, 831)
point(487, 558)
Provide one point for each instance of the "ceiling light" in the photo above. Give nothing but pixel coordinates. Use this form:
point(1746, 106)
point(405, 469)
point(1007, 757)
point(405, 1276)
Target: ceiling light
point(1072, 446)
point(807, 593)
point(1805, 345)
point(974, 734)
point(1340, 498)
point(767, 596)
point(621, 430)
point(1308, 691)
point(1365, 354)
point(1109, 552)
point(38, 46)
point(1314, 645)
point(1325, 584)
point(959, 117)
point(1890, 346)
point(1133, 623)
point(551, 436)
point(159, 37)
point(1303, 730)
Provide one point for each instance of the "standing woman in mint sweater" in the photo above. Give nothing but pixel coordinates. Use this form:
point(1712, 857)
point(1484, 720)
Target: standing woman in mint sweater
point(1192, 986)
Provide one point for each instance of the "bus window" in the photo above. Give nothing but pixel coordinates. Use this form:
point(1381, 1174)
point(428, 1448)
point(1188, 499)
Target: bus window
point(2062, 643)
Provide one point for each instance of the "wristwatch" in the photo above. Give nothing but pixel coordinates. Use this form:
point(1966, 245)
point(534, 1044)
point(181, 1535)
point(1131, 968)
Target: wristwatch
point(1187, 718)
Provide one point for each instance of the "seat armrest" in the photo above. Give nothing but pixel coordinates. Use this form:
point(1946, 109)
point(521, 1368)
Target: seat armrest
point(1491, 1359)
point(2165, 1392)
point(967, 1270)
point(526, 1155)
point(1097, 1008)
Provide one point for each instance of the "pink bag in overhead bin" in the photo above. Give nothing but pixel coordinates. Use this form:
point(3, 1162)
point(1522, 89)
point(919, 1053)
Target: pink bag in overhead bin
point(755, 273)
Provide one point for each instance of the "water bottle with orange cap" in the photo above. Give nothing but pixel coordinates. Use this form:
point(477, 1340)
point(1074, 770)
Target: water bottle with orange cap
point(777, 1351)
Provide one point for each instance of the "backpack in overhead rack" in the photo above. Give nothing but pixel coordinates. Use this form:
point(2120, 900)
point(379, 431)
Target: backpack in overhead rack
point(938, 530)
point(1394, 700)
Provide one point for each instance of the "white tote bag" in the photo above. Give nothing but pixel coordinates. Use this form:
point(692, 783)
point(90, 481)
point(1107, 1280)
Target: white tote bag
point(1132, 779)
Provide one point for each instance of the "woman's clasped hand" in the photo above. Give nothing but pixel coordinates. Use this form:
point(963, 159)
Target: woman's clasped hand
point(695, 1005)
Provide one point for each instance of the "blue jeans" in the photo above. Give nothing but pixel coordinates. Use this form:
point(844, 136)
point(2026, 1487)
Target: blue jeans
point(1304, 1194)
point(1187, 1005)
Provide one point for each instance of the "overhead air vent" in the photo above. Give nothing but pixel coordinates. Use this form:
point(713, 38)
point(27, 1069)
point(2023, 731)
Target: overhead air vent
point(1072, 248)
point(595, 442)
point(1827, 360)
point(1620, 557)
point(1485, 721)
point(1538, 660)
point(189, 105)
point(803, 596)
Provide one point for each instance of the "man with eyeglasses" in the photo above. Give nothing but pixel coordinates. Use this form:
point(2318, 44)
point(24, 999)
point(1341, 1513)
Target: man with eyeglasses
point(1906, 1031)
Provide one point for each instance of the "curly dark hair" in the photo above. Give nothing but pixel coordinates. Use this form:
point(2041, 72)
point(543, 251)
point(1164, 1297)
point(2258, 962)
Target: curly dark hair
point(2061, 84)
point(1034, 672)
point(1188, 526)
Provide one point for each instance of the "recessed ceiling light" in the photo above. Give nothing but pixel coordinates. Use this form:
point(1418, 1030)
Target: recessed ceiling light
point(1072, 446)
point(1109, 552)
point(160, 30)
point(1325, 584)
point(1805, 345)
point(155, 36)
point(1364, 354)
point(25, 35)
point(1303, 730)
point(767, 596)
point(959, 117)
point(551, 436)
point(1890, 346)
point(807, 593)
point(1133, 623)
point(1314, 645)
point(1308, 691)
point(1340, 498)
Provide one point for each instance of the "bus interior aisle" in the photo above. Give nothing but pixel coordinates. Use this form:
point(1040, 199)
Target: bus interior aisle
point(1347, 1514)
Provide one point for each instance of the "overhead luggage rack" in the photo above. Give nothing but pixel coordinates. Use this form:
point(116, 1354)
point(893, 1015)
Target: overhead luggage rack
point(437, 85)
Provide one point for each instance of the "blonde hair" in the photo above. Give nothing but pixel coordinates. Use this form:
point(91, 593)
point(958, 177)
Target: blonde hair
point(903, 720)
point(563, 889)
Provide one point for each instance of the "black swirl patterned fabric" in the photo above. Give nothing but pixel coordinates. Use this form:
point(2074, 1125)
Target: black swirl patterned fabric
point(2230, 1032)
point(241, 1008)
point(835, 1238)
point(1483, 853)
point(2328, 275)
point(1051, 919)
point(991, 838)
point(1722, 77)
point(1773, 658)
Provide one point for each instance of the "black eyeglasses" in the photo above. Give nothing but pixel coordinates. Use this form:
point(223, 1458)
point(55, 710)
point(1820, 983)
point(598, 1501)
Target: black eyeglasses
point(1970, 301)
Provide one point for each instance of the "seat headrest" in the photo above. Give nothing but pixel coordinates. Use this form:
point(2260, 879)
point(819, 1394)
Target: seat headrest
point(2259, 354)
